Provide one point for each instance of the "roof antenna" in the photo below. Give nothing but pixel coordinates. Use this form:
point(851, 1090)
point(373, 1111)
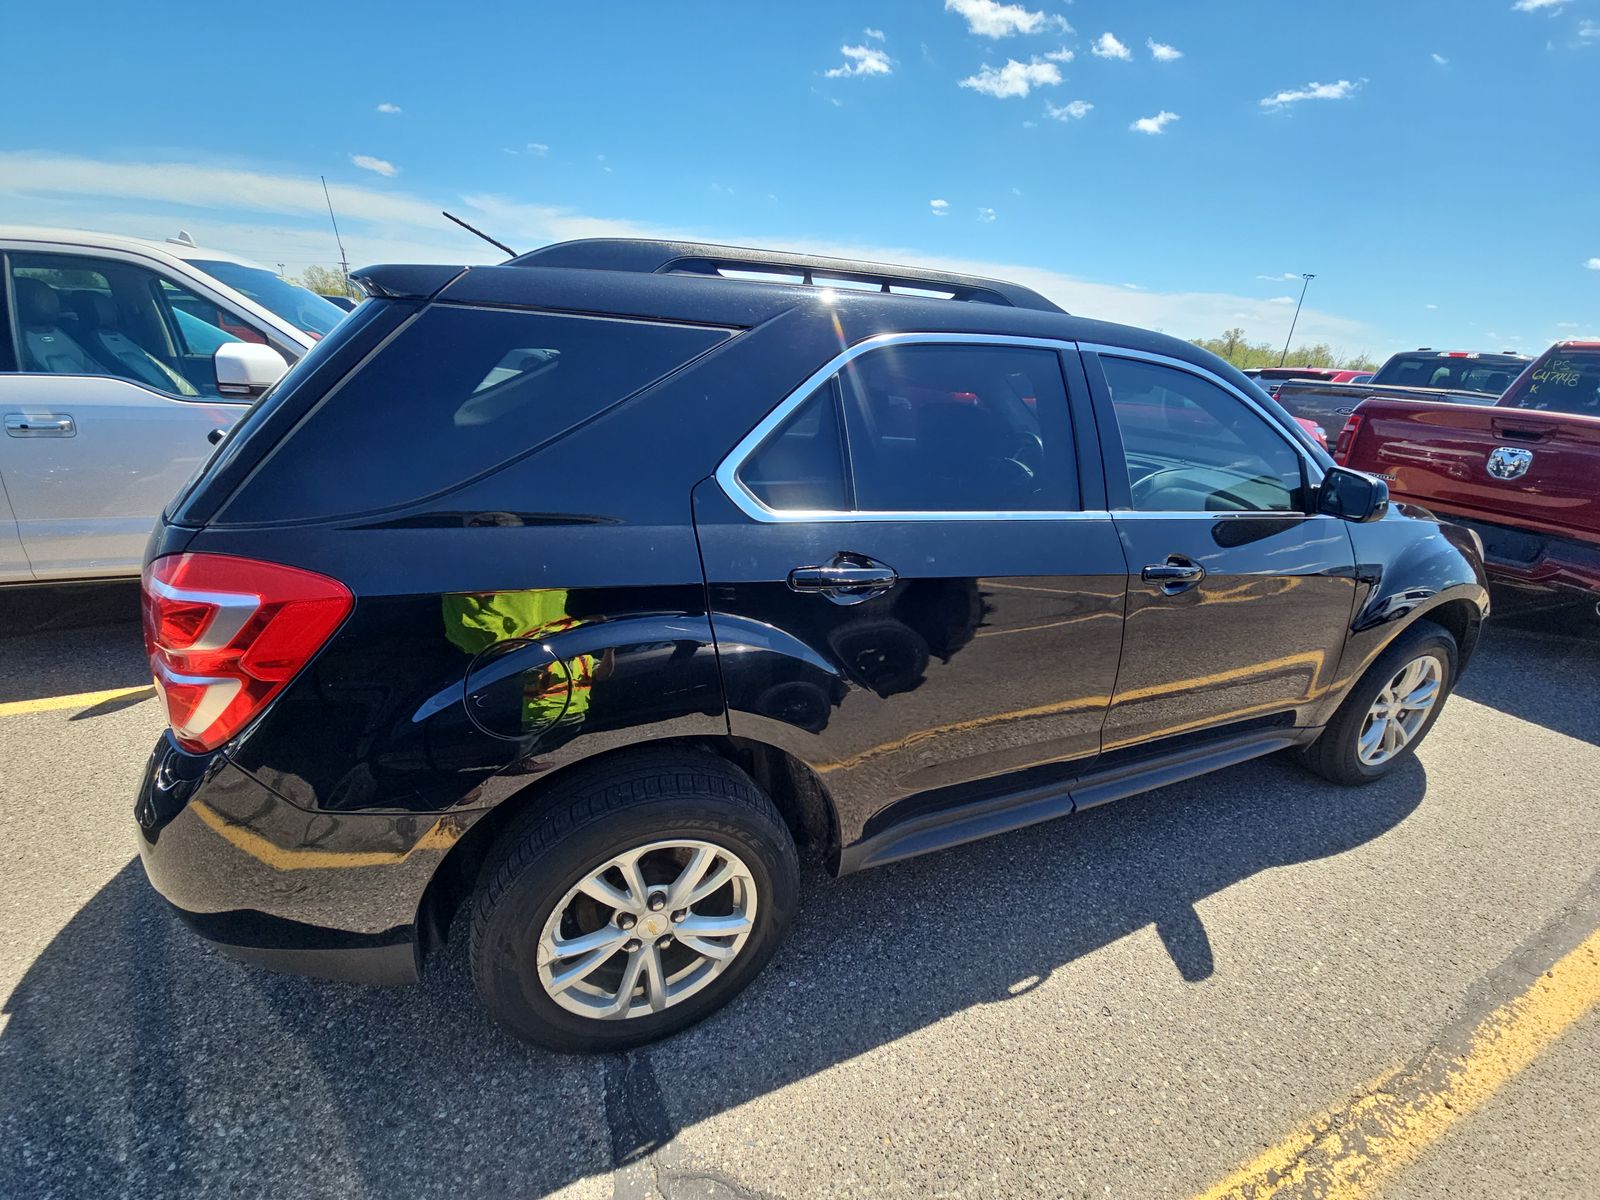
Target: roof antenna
point(480, 233)
point(344, 263)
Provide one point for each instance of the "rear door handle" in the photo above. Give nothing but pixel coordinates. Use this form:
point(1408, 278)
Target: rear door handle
point(43, 425)
point(1176, 575)
point(846, 578)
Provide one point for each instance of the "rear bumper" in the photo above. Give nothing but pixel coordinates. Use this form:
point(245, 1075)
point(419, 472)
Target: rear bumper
point(1552, 567)
point(327, 894)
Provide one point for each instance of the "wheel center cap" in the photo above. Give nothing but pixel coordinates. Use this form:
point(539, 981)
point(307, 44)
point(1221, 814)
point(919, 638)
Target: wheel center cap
point(653, 925)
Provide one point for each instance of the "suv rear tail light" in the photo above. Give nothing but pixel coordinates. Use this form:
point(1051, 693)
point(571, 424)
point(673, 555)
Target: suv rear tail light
point(226, 634)
point(1347, 435)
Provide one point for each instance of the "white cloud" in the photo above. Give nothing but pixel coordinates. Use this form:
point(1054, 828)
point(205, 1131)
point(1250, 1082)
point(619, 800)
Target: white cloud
point(538, 148)
point(875, 34)
point(1287, 275)
point(1430, 306)
point(1155, 124)
point(1107, 46)
point(986, 214)
point(367, 163)
point(1162, 52)
point(1439, 58)
point(282, 218)
point(1075, 110)
point(1588, 30)
point(1536, 5)
point(1281, 300)
point(1013, 79)
point(861, 60)
point(939, 208)
point(1062, 55)
point(1593, 264)
point(1342, 90)
point(991, 19)
point(393, 109)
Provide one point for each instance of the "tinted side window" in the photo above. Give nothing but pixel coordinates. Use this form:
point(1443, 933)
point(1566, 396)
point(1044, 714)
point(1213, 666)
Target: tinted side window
point(936, 428)
point(1567, 381)
point(801, 465)
point(459, 392)
point(1190, 446)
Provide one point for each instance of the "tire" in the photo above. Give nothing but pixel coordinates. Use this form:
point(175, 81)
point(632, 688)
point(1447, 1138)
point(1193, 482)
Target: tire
point(1335, 755)
point(698, 803)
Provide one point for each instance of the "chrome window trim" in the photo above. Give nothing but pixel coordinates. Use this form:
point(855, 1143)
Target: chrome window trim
point(1313, 480)
point(727, 473)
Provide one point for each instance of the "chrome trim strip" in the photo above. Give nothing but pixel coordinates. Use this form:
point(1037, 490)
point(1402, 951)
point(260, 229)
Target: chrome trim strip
point(727, 473)
point(233, 610)
point(1278, 514)
point(219, 693)
point(1211, 377)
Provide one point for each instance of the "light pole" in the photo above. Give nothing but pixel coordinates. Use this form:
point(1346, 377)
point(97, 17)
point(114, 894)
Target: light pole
point(1296, 321)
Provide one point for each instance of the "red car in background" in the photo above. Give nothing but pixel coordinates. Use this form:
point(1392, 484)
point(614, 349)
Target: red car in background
point(1524, 473)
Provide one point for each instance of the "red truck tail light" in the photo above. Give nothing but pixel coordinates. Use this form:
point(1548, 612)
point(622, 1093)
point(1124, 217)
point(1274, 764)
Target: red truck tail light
point(1347, 435)
point(225, 634)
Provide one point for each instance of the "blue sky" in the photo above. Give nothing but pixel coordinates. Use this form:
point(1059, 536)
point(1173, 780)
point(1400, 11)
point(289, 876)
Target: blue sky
point(1427, 160)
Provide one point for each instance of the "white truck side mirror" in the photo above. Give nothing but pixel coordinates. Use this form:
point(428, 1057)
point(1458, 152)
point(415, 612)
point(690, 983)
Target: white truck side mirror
point(246, 369)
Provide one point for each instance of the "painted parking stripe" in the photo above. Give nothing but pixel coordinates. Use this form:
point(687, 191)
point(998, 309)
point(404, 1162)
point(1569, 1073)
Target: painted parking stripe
point(16, 708)
point(1348, 1152)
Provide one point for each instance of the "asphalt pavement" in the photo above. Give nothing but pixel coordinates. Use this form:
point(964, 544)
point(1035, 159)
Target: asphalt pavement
point(1138, 1001)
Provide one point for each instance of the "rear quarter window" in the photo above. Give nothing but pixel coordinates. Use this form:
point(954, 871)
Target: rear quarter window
point(1564, 381)
point(458, 393)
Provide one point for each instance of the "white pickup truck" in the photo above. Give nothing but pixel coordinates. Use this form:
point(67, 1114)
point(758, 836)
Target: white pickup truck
point(118, 359)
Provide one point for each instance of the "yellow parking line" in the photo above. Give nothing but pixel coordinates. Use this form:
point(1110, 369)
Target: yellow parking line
point(15, 708)
point(1347, 1153)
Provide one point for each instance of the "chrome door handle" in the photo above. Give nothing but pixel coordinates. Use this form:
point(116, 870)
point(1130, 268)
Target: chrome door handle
point(47, 425)
point(845, 579)
point(822, 579)
point(1176, 575)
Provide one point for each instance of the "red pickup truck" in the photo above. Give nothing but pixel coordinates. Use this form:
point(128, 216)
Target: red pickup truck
point(1523, 472)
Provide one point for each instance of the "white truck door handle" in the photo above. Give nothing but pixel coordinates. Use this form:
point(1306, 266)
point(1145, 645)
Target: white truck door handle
point(40, 425)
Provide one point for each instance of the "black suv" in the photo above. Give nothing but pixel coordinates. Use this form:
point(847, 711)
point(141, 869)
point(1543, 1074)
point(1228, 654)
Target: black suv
point(595, 590)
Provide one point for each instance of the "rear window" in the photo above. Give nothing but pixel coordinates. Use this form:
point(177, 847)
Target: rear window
point(1457, 374)
point(458, 393)
point(1564, 381)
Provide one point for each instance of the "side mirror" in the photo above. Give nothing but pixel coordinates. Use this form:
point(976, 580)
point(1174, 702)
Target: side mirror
point(247, 369)
point(1352, 495)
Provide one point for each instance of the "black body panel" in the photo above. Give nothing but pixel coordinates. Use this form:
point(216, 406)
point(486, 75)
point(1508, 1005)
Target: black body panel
point(936, 687)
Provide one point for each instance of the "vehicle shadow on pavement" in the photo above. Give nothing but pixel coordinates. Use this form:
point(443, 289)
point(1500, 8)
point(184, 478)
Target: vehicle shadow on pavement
point(138, 1062)
point(1540, 669)
point(64, 640)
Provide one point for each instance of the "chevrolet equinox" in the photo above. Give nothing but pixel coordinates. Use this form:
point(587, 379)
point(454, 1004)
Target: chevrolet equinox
point(596, 590)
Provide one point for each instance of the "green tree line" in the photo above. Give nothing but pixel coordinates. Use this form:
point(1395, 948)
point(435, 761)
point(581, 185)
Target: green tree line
point(1241, 353)
point(325, 281)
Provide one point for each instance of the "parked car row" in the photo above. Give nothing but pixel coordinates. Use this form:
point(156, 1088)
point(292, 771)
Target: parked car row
point(616, 611)
point(1524, 472)
point(1456, 376)
point(1499, 443)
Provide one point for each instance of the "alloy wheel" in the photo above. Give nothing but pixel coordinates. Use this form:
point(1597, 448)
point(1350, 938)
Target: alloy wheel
point(1400, 710)
point(647, 929)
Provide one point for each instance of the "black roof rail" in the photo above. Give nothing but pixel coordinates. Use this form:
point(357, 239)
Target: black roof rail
point(649, 256)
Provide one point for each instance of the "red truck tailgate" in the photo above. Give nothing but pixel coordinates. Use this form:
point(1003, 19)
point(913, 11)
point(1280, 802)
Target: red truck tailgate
point(1541, 469)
